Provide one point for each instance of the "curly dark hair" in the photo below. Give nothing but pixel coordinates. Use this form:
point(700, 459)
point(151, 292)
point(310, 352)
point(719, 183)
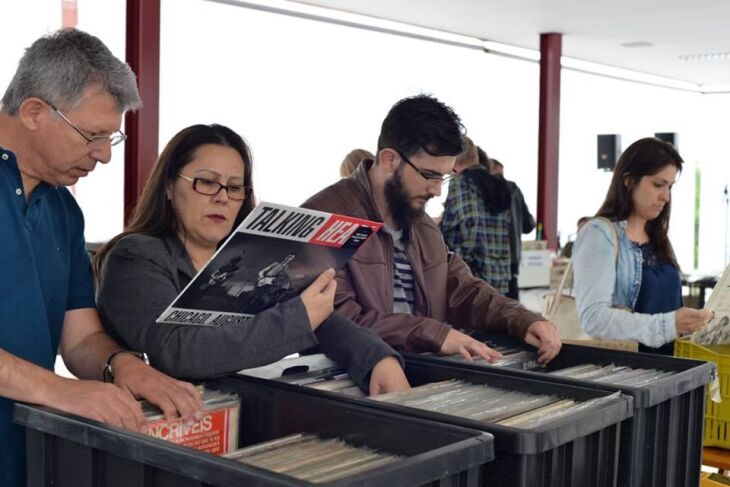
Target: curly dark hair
point(422, 122)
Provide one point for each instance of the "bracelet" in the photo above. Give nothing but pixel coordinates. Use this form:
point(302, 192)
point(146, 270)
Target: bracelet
point(108, 373)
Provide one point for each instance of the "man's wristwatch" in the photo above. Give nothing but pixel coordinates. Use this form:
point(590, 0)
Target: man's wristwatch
point(108, 373)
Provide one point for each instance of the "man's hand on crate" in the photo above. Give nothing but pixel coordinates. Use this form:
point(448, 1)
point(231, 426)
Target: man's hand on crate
point(176, 399)
point(544, 336)
point(457, 342)
point(98, 401)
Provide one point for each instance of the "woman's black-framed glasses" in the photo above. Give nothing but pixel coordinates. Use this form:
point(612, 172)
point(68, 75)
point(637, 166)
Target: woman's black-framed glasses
point(210, 187)
point(428, 176)
point(113, 139)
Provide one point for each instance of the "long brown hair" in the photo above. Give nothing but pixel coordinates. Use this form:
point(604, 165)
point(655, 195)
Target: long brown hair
point(154, 214)
point(645, 157)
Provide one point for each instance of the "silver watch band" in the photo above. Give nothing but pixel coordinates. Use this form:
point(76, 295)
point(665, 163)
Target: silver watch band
point(108, 373)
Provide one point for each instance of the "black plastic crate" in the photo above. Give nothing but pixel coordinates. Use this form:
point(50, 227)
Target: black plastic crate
point(661, 445)
point(66, 450)
point(581, 450)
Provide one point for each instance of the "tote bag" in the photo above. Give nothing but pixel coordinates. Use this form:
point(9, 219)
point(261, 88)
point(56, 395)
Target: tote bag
point(561, 309)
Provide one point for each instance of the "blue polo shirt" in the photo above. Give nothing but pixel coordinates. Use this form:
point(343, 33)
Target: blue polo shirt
point(44, 272)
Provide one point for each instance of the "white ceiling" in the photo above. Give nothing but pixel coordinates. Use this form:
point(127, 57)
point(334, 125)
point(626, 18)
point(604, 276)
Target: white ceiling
point(592, 30)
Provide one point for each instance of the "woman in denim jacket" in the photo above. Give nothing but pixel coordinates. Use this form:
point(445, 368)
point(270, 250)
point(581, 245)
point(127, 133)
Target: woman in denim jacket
point(639, 296)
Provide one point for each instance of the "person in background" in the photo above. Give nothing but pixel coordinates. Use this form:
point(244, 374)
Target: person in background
point(522, 220)
point(567, 250)
point(476, 222)
point(403, 283)
point(352, 160)
point(198, 192)
point(640, 297)
point(60, 115)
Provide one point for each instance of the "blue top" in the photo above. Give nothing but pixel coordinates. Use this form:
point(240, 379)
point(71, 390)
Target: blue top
point(661, 286)
point(45, 272)
point(603, 286)
point(661, 290)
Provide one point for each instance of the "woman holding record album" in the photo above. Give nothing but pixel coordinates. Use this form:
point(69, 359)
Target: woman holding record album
point(198, 192)
point(634, 292)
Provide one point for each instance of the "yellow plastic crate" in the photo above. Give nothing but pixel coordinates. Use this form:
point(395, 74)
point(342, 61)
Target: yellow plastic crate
point(713, 480)
point(717, 415)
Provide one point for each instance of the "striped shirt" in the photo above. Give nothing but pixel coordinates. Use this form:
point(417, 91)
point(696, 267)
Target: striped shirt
point(402, 276)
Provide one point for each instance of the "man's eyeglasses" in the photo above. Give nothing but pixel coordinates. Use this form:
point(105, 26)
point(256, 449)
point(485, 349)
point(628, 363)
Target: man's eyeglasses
point(113, 139)
point(209, 187)
point(428, 176)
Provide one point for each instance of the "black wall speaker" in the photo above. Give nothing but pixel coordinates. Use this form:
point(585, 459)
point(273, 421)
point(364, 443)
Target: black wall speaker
point(670, 137)
point(609, 150)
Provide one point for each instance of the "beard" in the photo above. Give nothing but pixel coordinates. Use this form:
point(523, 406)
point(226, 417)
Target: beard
point(400, 204)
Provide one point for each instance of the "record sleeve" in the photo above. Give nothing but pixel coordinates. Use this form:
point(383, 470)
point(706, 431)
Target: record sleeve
point(717, 331)
point(273, 255)
point(216, 432)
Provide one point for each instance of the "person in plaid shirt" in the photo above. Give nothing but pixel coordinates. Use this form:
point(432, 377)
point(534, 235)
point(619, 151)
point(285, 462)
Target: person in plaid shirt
point(476, 220)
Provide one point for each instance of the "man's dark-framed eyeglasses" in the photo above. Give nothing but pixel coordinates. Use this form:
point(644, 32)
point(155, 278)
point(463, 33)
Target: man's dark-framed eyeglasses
point(428, 176)
point(113, 139)
point(210, 187)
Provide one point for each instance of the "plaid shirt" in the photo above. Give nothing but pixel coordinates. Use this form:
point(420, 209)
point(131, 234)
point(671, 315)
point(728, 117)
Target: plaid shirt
point(478, 237)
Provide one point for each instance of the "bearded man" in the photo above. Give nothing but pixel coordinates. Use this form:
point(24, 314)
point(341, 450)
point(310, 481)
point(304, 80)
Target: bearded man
point(403, 283)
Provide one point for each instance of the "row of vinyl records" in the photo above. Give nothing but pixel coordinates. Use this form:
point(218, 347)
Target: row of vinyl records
point(302, 456)
point(317, 460)
point(619, 375)
point(479, 402)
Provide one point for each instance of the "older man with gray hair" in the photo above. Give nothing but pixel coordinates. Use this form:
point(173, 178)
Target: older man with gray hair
point(60, 115)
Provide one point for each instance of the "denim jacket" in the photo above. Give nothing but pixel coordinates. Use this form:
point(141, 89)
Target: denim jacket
point(604, 286)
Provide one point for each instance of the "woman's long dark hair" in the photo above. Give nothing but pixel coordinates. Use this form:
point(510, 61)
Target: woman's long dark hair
point(154, 214)
point(645, 157)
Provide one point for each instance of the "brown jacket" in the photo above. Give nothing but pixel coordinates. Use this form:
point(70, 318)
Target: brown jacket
point(445, 290)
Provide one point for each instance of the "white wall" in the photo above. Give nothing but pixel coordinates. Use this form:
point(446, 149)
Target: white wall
point(594, 105)
point(304, 93)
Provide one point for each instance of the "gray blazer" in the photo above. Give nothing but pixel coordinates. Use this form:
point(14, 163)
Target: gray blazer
point(142, 275)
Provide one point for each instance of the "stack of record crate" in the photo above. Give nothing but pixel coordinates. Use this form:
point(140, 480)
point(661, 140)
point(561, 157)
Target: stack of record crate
point(66, 450)
point(661, 444)
point(577, 449)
